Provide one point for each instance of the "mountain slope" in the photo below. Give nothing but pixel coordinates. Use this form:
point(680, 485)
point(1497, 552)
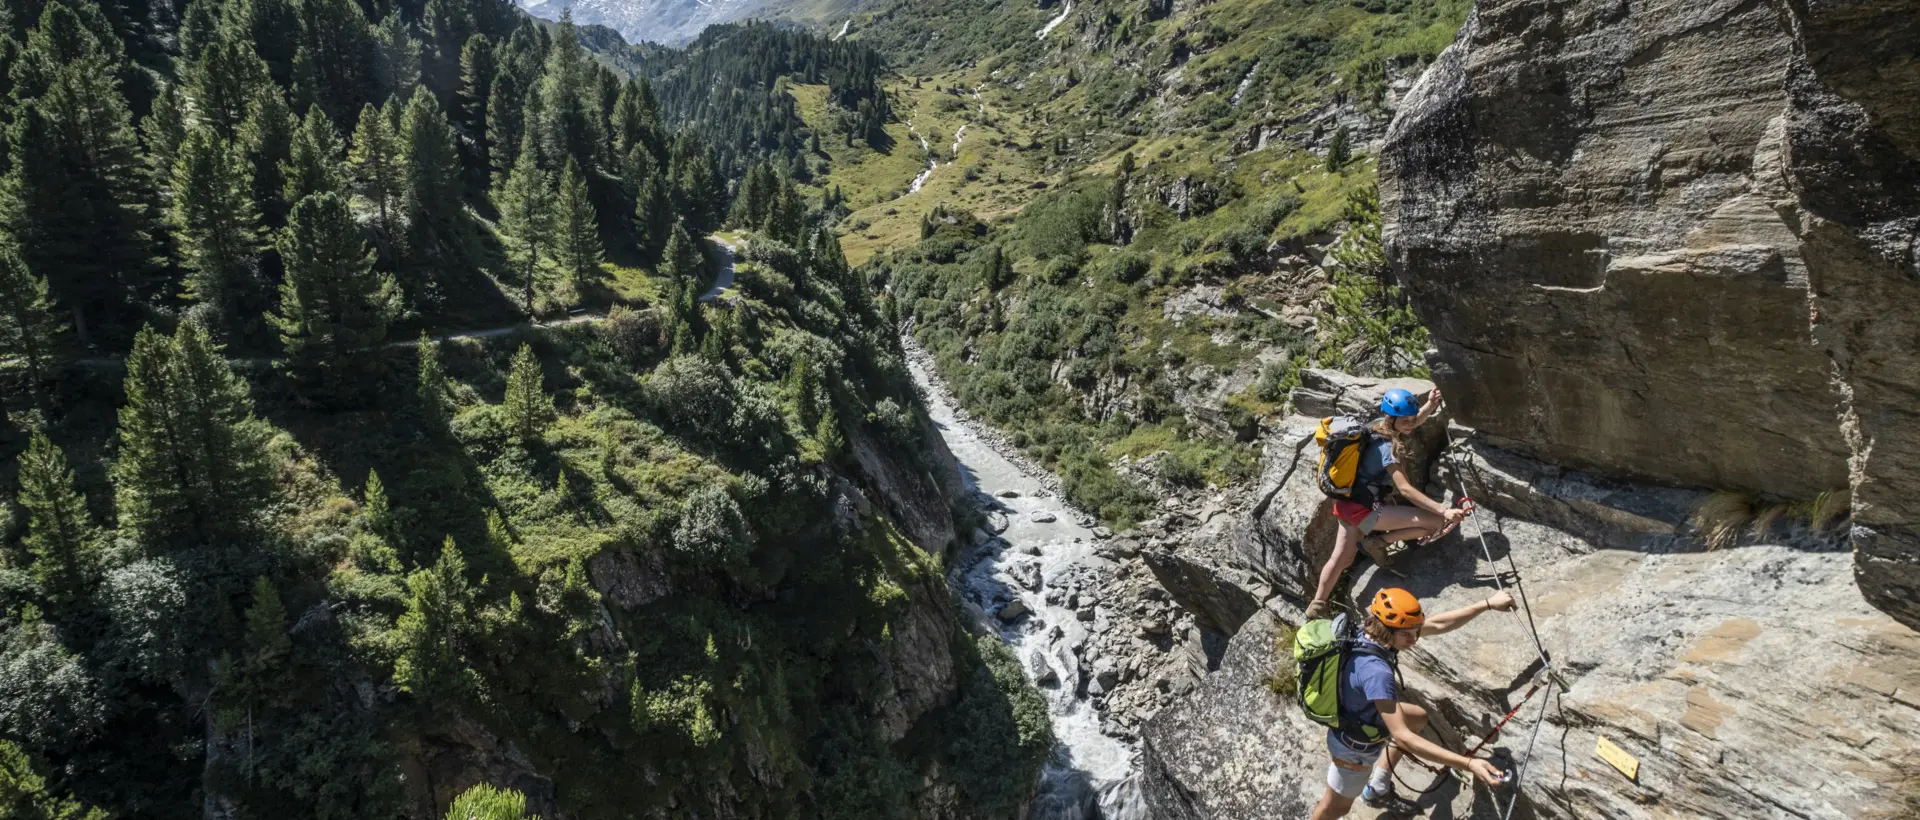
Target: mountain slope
point(677, 22)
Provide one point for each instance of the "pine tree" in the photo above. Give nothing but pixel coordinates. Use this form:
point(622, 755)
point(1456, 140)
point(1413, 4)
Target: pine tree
point(313, 164)
point(995, 270)
point(430, 381)
point(273, 27)
point(526, 223)
point(375, 160)
point(576, 231)
point(199, 28)
point(74, 200)
point(527, 406)
point(396, 59)
point(163, 131)
point(215, 223)
point(60, 534)
point(652, 212)
point(193, 459)
point(635, 122)
point(1340, 151)
point(267, 136)
point(433, 631)
point(683, 262)
point(262, 671)
point(787, 215)
point(506, 104)
point(28, 330)
point(570, 123)
point(477, 71)
point(338, 41)
point(334, 307)
point(754, 201)
point(224, 83)
point(376, 546)
point(699, 192)
point(431, 195)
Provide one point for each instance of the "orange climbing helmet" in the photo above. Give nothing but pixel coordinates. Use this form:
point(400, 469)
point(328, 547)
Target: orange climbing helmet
point(1397, 608)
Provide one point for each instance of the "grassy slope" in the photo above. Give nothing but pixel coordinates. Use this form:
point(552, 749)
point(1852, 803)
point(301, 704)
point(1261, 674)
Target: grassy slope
point(1060, 114)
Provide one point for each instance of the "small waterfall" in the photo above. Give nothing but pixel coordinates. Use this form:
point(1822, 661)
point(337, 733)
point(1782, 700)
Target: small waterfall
point(1051, 24)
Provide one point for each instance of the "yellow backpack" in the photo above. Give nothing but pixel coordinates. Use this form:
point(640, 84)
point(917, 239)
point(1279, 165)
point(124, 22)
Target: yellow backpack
point(1343, 439)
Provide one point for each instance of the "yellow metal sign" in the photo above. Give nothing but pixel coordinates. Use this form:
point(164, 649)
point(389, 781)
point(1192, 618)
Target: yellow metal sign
point(1617, 757)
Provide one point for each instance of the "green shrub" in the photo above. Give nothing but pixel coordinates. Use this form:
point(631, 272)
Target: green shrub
point(1002, 734)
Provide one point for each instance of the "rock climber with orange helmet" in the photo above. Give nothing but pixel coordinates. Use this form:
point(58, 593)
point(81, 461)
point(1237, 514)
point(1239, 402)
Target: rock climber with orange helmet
point(1370, 694)
point(1383, 530)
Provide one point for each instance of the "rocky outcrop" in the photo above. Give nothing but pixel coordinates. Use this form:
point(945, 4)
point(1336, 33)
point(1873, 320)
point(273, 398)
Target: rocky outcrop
point(1676, 241)
point(1235, 748)
point(1749, 682)
point(1853, 149)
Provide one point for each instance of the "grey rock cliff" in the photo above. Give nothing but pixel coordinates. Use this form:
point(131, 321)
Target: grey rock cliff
point(1750, 682)
point(1675, 240)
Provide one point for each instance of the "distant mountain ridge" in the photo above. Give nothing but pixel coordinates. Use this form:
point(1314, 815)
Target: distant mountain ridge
point(677, 22)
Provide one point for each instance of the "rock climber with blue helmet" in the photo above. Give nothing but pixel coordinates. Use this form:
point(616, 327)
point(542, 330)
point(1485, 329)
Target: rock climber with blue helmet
point(1384, 529)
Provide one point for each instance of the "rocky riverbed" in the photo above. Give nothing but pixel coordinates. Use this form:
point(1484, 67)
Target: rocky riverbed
point(1098, 635)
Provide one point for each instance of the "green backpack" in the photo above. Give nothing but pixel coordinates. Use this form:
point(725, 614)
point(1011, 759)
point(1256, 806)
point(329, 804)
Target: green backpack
point(1322, 649)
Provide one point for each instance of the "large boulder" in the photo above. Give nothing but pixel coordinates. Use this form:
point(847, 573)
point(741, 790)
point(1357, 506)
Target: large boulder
point(1674, 240)
point(1234, 748)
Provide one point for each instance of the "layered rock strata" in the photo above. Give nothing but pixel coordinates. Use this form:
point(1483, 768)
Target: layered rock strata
point(1675, 240)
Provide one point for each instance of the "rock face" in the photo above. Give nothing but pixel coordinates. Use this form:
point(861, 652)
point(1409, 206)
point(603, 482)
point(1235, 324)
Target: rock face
point(1675, 240)
point(1234, 749)
point(1749, 682)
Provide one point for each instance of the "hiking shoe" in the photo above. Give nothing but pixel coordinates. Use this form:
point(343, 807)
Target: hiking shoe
point(1318, 608)
point(1389, 802)
point(1380, 551)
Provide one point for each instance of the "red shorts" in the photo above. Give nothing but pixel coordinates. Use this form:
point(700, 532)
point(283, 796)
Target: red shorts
point(1359, 515)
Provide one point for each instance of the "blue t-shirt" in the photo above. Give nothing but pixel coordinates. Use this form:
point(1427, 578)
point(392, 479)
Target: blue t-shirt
point(1368, 679)
point(1375, 460)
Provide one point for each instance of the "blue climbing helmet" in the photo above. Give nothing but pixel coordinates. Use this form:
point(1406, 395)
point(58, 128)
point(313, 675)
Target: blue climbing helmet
point(1398, 403)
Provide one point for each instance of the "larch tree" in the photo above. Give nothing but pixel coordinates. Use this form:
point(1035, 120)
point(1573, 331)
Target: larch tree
point(60, 534)
point(526, 224)
point(334, 307)
point(576, 229)
point(215, 223)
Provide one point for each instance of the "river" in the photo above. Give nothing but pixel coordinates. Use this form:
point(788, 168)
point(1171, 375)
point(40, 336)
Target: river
point(1091, 774)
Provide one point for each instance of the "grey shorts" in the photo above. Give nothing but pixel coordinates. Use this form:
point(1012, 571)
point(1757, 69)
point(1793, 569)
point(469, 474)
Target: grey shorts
point(1370, 522)
point(1352, 765)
